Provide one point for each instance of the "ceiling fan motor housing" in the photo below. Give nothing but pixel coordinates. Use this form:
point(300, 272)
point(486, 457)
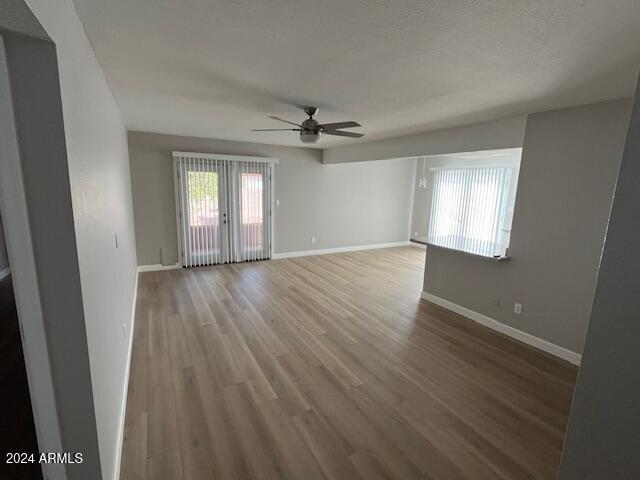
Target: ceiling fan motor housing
point(311, 125)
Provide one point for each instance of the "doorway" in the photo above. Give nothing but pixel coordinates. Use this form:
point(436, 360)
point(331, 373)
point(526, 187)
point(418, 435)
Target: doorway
point(223, 208)
point(16, 420)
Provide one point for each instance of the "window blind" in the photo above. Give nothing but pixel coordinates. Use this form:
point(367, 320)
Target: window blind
point(224, 209)
point(251, 211)
point(468, 209)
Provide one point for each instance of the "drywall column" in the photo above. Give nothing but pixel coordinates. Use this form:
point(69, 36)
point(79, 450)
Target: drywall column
point(603, 438)
point(41, 149)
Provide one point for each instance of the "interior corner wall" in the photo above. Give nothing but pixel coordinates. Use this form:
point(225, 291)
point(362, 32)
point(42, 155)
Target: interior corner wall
point(602, 440)
point(568, 170)
point(98, 165)
point(341, 205)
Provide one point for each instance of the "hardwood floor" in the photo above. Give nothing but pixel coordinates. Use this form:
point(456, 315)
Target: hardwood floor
point(331, 367)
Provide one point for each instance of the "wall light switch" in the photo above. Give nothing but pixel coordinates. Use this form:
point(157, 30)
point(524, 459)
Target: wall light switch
point(313, 239)
point(277, 203)
point(517, 308)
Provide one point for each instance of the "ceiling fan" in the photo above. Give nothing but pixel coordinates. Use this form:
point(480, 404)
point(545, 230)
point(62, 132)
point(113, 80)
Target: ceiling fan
point(310, 130)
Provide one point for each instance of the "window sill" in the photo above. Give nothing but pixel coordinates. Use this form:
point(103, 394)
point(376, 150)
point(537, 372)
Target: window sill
point(496, 258)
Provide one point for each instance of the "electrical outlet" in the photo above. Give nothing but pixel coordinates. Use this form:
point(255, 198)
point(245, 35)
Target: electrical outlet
point(415, 234)
point(496, 301)
point(277, 203)
point(517, 308)
point(313, 240)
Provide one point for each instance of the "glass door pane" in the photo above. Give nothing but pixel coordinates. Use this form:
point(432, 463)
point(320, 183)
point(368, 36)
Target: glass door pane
point(224, 212)
point(252, 211)
point(203, 210)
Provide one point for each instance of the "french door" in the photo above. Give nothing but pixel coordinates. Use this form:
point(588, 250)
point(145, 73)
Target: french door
point(223, 208)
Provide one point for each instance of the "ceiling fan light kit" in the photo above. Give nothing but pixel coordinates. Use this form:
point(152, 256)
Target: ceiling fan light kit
point(310, 137)
point(310, 130)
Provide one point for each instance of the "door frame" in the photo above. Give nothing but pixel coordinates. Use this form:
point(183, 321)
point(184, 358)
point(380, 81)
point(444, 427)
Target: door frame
point(25, 279)
point(212, 156)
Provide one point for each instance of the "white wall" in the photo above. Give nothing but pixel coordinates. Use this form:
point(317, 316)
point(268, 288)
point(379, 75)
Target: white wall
point(101, 197)
point(341, 205)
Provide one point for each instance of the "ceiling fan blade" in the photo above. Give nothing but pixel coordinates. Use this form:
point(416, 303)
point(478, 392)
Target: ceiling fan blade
point(283, 120)
point(335, 126)
point(275, 130)
point(340, 133)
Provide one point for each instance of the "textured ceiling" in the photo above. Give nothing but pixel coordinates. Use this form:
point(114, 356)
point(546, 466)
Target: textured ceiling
point(214, 68)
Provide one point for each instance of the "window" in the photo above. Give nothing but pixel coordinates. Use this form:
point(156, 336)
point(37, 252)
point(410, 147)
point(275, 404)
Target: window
point(469, 208)
point(203, 198)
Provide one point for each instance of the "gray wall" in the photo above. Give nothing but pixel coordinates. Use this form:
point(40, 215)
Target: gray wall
point(505, 133)
point(4, 261)
point(422, 197)
point(100, 196)
point(341, 205)
point(603, 437)
point(567, 174)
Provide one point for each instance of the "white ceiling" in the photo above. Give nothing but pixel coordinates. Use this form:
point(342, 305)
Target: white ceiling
point(213, 68)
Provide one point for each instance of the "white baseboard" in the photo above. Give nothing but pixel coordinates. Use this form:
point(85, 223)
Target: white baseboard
point(418, 245)
point(157, 267)
point(540, 344)
point(123, 407)
point(5, 272)
point(325, 251)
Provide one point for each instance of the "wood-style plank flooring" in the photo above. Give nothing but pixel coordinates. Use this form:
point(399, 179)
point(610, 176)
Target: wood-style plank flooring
point(331, 367)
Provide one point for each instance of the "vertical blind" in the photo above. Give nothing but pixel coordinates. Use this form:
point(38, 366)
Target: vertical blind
point(224, 209)
point(468, 209)
point(251, 207)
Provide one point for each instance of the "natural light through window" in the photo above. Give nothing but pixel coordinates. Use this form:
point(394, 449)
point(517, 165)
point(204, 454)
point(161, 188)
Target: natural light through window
point(252, 209)
point(469, 209)
point(251, 189)
point(203, 198)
